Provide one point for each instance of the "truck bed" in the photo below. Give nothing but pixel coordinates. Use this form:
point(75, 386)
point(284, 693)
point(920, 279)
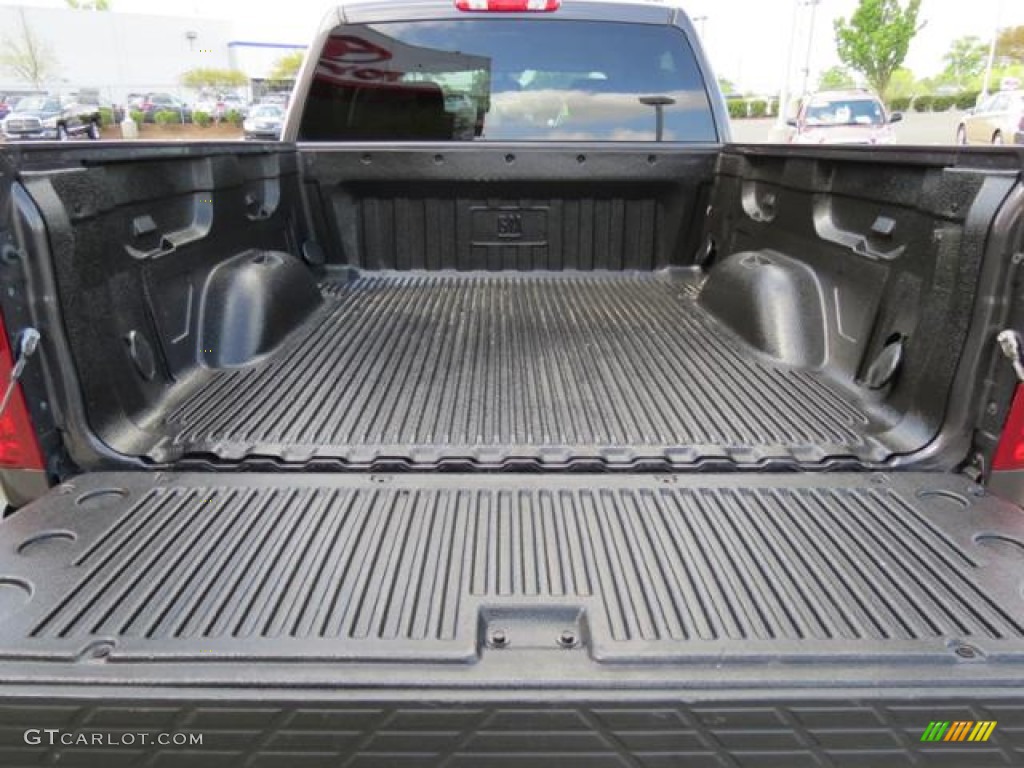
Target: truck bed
point(222, 335)
point(556, 368)
point(481, 310)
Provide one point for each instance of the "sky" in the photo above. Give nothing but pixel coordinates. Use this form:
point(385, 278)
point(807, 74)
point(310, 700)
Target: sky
point(753, 54)
point(747, 40)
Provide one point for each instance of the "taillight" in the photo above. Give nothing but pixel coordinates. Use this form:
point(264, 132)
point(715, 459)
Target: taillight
point(508, 6)
point(1010, 453)
point(19, 447)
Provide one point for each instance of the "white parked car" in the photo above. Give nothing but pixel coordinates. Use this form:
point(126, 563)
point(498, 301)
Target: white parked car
point(264, 122)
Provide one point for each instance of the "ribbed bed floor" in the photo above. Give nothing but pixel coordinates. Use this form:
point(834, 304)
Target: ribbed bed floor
point(553, 368)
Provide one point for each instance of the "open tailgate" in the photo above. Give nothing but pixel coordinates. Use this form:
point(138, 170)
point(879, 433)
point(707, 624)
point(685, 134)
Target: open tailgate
point(410, 619)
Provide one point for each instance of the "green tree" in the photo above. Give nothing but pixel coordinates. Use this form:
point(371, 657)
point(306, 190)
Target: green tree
point(85, 5)
point(876, 38)
point(1013, 71)
point(209, 77)
point(727, 86)
point(27, 57)
point(287, 67)
point(965, 59)
point(1010, 45)
point(904, 85)
point(836, 78)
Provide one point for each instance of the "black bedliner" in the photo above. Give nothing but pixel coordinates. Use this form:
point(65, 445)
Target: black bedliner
point(659, 310)
point(484, 367)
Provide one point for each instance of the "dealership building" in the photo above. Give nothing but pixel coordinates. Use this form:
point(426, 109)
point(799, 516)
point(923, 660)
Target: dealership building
point(123, 53)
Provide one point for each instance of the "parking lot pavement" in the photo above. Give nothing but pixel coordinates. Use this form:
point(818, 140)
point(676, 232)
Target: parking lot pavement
point(917, 128)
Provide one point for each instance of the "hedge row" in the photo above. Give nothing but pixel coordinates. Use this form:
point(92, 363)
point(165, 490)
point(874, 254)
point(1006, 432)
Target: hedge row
point(926, 103)
point(171, 117)
point(168, 117)
point(204, 119)
point(744, 108)
point(740, 109)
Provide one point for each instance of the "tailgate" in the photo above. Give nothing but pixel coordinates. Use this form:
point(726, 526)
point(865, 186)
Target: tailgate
point(433, 618)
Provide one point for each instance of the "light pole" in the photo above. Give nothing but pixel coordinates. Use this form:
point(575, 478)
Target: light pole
point(810, 42)
point(992, 49)
point(700, 21)
point(780, 123)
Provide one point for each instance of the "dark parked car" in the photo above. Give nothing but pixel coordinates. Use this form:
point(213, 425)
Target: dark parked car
point(47, 117)
point(151, 103)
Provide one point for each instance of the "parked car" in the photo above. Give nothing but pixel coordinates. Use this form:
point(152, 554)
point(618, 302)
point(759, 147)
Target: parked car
point(9, 98)
point(151, 103)
point(219, 105)
point(235, 103)
point(843, 117)
point(998, 119)
point(47, 117)
point(91, 100)
point(280, 98)
point(264, 122)
point(208, 105)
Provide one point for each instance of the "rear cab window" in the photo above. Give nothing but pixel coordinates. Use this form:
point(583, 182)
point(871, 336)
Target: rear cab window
point(486, 78)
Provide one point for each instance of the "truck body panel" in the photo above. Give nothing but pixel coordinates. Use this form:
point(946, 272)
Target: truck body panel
point(493, 452)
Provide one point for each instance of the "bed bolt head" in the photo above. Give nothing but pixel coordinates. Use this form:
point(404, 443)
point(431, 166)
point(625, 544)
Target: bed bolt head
point(965, 651)
point(498, 638)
